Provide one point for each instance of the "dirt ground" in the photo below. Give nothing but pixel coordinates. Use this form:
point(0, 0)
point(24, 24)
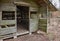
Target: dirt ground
point(33, 37)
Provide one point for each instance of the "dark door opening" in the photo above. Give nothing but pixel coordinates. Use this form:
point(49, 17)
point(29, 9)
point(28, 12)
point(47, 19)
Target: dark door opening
point(22, 18)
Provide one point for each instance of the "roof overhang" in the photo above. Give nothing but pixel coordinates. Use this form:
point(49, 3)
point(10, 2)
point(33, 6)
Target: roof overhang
point(46, 3)
point(22, 3)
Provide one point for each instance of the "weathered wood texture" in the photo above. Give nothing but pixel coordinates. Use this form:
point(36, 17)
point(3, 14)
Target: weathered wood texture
point(8, 5)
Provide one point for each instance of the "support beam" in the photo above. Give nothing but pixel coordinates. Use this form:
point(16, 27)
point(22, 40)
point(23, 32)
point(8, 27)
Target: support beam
point(47, 18)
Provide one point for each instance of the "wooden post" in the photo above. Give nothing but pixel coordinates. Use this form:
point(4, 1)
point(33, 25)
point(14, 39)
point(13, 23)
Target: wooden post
point(29, 22)
point(47, 17)
point(15, 34)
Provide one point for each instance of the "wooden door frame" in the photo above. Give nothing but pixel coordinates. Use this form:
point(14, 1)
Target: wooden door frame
point(22, 4)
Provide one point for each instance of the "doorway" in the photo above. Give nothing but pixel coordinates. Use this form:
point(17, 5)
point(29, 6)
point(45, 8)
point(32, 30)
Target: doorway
point(22, 19)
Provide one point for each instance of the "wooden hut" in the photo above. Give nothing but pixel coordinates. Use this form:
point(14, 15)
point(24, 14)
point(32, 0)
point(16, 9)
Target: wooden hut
point(18, 17)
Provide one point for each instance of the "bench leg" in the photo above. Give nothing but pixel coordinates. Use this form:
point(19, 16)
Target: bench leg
point(15, 35)
point(30, 33)
point(1, 39)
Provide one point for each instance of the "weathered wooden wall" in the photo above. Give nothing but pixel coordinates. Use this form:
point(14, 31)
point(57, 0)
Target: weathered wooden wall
point(8, 5)
point(43, 19)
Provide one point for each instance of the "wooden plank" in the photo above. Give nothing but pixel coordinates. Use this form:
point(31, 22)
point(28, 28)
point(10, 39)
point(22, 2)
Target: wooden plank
point(22, 3)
